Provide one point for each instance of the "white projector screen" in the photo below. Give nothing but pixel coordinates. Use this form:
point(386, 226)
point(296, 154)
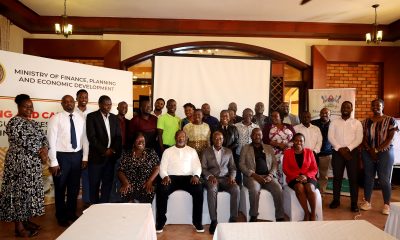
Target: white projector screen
point(213, 80)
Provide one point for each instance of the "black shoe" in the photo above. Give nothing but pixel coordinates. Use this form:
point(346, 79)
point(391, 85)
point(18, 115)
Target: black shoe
point(63, 223)
point(232, 219)
point(334, 204)
point(159, 228)
point(72, 218)
point(253, 219)
point(199, 228)
point(213, 226)
point(354, 208)
point(280, 219)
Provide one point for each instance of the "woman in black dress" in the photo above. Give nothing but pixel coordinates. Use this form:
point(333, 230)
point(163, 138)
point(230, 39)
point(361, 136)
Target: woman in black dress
point(22, 194)
point(139, 168)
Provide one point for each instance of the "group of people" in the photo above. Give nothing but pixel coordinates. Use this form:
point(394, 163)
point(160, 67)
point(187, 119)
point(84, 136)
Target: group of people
point(121, 160)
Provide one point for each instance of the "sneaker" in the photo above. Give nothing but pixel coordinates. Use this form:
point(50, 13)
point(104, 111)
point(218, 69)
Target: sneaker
point(212, 227)
point(365, 206)
point(386, 209)
point(199, 228)
point(159, 228)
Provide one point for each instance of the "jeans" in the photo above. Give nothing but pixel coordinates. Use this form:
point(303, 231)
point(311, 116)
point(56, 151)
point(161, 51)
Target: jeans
point(383, 167)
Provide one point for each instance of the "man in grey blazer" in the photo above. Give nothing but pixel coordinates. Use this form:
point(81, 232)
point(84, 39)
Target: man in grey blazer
point(258, 165)
point(219, 171)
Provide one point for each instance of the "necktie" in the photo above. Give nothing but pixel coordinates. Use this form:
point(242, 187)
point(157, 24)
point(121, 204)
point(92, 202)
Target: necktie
point(73, 133)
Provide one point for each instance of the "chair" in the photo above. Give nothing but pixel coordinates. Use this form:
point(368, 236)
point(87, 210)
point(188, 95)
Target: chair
point(223, 208)
point(293, 208)
point(266, 208)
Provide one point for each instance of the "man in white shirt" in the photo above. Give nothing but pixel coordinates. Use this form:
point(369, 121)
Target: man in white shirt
point(82, 97)
point(68, 153)
point(312, 134)
point(180, 169)
point(345, 134)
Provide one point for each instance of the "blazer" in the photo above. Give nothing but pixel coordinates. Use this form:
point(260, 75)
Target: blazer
point(98, 139)
point(292, 170)
point(231, 137)
point(210, 165)
point(247, 162)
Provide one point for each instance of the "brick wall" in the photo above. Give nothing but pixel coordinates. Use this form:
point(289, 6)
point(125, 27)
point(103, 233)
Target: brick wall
point(94, 62)
point(363, 77)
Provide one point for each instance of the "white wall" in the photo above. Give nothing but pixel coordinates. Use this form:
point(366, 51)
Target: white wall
point(298, 48)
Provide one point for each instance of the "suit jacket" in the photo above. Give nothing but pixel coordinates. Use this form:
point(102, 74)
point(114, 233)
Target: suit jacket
point(292, 170)
point(231, 137)
point(247, 162)
point(98, 139)
point(210, 165)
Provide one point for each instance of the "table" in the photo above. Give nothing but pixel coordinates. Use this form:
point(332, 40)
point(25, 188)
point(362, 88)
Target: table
point(392, 225)
point(113, 221)
point(326, 230)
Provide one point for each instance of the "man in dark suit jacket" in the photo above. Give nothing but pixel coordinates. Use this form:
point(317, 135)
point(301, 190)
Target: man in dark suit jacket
point(218, 168)
point(104, 135)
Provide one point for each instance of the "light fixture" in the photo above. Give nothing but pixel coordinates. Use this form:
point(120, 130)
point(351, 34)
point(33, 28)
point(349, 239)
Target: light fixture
point(64, 28)
point(376, 35)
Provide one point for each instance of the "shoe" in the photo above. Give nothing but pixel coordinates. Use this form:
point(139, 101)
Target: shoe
point(280, 219)
point(63, 223)
point(199, 228)
point(213, 226)
point(31, 226)
point(354, 207)
point(334, 204)
point(72, 218)
point(253, 219)
point(365, 206)
point(386, 209)
point(24, 233)
point(159, 228)
point(232, 219)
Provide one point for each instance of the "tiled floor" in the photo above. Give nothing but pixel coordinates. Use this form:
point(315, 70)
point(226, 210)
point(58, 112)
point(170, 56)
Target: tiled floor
point(50, 229)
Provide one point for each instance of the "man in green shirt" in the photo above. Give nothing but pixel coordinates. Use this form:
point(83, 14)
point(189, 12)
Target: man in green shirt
point(167, 125)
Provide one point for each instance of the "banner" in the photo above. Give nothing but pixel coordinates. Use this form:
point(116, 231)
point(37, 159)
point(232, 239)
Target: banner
point(46, 81)
point(332, 99)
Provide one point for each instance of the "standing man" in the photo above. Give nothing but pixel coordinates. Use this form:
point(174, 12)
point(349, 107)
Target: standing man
point(123, 124)
point(345, 134)
point(258, 164)
point(68, 153)
point(312, 134)
point(158, 107)
point(259, 118)
point(180, 169)
point(286, 116)
point(82, 97)
point(233, 108)
point(167, 125)
point(245, 128)
point(207, 118)
point(104, 135)
point(219, 171)
point(325, 155)
point(146, 123)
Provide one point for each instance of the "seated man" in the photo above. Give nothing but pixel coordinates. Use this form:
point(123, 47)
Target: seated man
point(219, 170)
point(258, 164)
point(180, 169)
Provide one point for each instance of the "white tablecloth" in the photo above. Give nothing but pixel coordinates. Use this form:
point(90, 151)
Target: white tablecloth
point(319, 230)
point(392, 225)
point(113, 221)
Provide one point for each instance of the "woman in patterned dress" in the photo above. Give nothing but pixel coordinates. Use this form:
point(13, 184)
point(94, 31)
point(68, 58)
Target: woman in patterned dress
point(279, 136)
point(22, 195)
point(378, 154)
point(138, 171)
point(198, 133)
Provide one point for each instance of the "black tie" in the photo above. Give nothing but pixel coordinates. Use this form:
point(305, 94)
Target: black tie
point(73, 133)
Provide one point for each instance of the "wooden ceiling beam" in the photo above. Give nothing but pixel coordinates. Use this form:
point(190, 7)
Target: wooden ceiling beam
point(31, 22)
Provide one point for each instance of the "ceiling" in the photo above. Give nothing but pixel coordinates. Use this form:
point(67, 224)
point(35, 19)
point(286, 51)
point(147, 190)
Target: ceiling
point(331, 11)
point(323, 19)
